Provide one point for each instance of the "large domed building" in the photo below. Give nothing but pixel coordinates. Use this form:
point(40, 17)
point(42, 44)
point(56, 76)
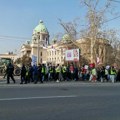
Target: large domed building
point(40, 39)
point(43, 52)
point(37, 46)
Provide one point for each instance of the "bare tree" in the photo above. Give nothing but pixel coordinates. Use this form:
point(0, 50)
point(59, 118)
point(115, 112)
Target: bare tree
point(56, 37)
point(114, 41)
point(95, 22)
point(95, 17)
point(71, 29)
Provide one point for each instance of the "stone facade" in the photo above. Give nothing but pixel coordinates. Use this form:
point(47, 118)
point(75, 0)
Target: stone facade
point(7, 55)
point(55, 53)
point(102, 50)
point(37, 46)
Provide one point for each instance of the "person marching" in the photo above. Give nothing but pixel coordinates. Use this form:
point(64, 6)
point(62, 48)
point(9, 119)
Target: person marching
point(94, 74)
point(50, 74)
point(43, 72)
point(71, 68)
point(57, 73)
point(112, 73)
point(9, 71)
point(64, 69)
point(118, 76)
point(39, 74)
point(27, 75)
point(23, 74)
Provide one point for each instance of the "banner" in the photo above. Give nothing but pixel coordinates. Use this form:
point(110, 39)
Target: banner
point(34, 60)
point(72, 55)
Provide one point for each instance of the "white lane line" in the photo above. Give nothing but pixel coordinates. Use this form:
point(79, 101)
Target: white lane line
point(44, 97)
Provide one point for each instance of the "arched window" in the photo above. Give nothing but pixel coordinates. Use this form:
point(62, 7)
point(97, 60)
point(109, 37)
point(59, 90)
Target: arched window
point(43, 37)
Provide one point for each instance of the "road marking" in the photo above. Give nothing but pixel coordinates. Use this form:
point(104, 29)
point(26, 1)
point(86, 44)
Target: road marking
point(44, 97)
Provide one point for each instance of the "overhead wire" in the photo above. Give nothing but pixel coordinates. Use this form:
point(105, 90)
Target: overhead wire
point(115, 1)
point(112, 19)
point(14, 37)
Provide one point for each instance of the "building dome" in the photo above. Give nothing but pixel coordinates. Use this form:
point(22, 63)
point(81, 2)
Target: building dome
point(28, 42)
point(54, 40)
point(41, 28)
point(66, 38)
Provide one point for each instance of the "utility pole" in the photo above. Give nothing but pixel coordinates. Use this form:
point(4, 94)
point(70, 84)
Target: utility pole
point(38, 48)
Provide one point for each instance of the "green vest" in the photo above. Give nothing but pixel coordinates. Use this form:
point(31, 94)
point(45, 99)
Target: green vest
point(57, 69)
point(112, 72)
point(27, 71)
point(64, 69)
point(94, 71)
point(43, 70)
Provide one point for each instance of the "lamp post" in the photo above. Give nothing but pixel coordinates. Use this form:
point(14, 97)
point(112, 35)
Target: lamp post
point(38, 47)
point(40, 42)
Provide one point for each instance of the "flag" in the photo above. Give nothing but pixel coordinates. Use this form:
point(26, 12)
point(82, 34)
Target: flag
point(98, 60)
point(53, 48)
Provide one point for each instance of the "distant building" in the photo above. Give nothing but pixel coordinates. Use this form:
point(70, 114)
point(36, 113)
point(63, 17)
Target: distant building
point(10, 55)
point(37, 46)
point(54, 53)
point(26, 49)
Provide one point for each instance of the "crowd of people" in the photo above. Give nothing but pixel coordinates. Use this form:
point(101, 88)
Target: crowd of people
point(43, 73)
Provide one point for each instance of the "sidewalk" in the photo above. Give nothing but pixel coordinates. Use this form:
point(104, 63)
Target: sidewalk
point(62, 83)
point(5, 79)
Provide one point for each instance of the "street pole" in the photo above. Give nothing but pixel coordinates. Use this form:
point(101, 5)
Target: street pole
point(38, 47)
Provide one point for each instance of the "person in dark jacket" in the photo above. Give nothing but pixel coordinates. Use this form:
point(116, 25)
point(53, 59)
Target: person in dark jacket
point(9, 71)
point(76, 73)
point(23, 74)
point(35, 73)
point(30, 74)
point(39, 76)
point(118, 76)
point(102, 74)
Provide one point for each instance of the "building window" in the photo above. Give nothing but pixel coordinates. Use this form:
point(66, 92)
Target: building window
point(46, 41)
point(43, 37)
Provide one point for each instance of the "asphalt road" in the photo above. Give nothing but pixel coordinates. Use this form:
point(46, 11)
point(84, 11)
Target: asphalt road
point(60, 101)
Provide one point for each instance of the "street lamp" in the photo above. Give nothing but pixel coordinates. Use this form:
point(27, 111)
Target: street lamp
point(39, 42)
point(38, 47)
